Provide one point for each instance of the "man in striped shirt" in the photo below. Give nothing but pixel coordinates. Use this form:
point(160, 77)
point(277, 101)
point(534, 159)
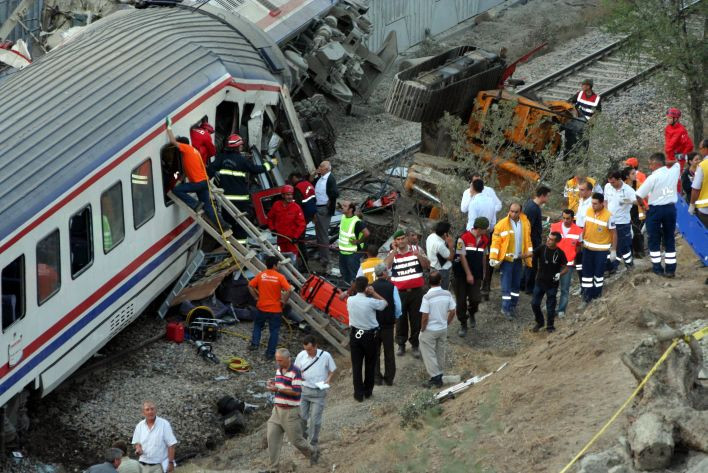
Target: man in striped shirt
point(285, 418)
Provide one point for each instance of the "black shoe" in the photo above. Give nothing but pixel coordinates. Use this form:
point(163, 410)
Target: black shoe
point(368, 395)
point(388, 383)
point(378, 381)
point(550, 329)
point(359, 398)
point(401, 350)
point(537, 327)
point(669, 275)
point(473, 322)
point(415, 351)
point(252, 347)
point(485, 297)
point(463, 331)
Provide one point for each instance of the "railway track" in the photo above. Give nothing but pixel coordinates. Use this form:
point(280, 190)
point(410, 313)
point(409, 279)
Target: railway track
point(608, 67)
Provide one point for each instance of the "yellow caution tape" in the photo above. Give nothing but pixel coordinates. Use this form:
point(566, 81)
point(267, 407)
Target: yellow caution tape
point(696, 335)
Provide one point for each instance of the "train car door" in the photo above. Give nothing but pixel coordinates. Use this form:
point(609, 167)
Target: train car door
point(14, 302)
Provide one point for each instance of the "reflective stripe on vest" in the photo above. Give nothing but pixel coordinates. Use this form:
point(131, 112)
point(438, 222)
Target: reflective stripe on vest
point(237, 197)
point(587, 107)
point(228, 172)
point(597, 233)
point(308, 199)
point(346, 233)
point(367, 267)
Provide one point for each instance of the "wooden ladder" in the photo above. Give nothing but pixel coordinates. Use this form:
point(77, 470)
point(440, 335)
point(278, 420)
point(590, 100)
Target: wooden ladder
point(332, 330)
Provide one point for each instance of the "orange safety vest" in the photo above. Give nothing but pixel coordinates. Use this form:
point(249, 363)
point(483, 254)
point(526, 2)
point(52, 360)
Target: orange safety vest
point(504, 238)
point(569, 243)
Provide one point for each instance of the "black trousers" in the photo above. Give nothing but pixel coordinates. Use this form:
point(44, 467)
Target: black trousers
point(467, 298)
point(363, 352)
point(385, 342)
point(410, 306)
point(538, 292)
point(528, 279)
point(487, 282)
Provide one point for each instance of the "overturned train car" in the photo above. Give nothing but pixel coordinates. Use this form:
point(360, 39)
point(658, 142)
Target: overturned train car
point(82, 153)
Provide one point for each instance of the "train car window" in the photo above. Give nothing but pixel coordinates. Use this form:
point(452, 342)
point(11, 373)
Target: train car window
point(48, 267)
point(80, 241)
point(112, 217)
point(143, 196)
point(13, 292)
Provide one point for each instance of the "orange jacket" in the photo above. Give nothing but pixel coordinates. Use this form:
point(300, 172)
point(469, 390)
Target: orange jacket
point(503, 233)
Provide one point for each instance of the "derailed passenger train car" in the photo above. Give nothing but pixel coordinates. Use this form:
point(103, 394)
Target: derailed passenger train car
point(88, 237)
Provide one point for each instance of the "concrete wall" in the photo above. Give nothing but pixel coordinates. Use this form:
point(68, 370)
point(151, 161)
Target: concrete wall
point(411, 18)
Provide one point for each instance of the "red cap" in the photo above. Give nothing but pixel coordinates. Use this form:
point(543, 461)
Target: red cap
point(234, 141)
point(208, 128)
point(634, 162)
point(674, 113)
point(287, 189)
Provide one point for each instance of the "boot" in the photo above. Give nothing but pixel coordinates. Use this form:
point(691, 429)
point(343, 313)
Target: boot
point(463, 330)
point(401, 350)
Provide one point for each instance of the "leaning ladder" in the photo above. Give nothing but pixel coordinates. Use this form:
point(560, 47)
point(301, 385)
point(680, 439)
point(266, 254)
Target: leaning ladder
point(332, 330)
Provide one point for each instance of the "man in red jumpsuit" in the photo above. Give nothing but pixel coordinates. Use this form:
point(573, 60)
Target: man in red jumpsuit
point(200, 136)
point(287, 220)
point(677, 142)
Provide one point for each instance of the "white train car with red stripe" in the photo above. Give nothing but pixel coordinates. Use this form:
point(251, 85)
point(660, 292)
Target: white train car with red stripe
point(88, 237)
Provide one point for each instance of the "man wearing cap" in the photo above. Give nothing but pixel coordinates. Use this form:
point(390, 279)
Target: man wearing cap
point(200, 134)
point(231, 169)
point(407, 263)
point(586, 103)
point(286, 219)
point(468, 270)
point(677, 142)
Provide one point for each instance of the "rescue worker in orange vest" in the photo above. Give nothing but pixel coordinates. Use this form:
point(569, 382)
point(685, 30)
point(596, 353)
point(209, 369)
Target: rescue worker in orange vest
point(200, 134)
point(586, 103)
point(599, 238)
point(677, 142)
point(198, 181)
point(304, 195)
point(699, 187)
point(570, 244)
point(572, 188)
point(287, 220)
point(634, 163)
point(511, 248)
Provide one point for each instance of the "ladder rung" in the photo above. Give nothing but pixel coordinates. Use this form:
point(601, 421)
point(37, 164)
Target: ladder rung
point(227, 233)
point(250, 255)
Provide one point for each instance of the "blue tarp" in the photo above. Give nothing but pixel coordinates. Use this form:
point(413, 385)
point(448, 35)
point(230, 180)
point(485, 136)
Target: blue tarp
point(693, 231)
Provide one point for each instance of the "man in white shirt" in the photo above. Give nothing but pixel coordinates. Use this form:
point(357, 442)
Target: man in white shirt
point(154, 441)
point(317, 368)
point(619, 198)
point(440, 249)
point(480, 201)
point(438, 311)
point(326, 194)
point(661, 187)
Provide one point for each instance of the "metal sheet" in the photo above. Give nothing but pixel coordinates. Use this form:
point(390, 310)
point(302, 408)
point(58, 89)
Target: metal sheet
point(412, 18)
point(32, 20)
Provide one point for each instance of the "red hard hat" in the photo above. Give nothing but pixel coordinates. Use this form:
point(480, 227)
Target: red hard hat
point(674, 113)
point(234, 141)
point(633, 162)
point(208, 128)
point(287, 189)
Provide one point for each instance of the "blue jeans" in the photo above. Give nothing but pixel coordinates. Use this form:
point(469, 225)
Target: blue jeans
point(661, 224)
point(565, 281)
point(510, 283)
point(538, 293)
point(624, 246)
point(202, 190)
point(349, 265)
point(593, 273)
point(273, 319)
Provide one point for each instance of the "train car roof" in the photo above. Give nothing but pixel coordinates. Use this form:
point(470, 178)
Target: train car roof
point(68, 113)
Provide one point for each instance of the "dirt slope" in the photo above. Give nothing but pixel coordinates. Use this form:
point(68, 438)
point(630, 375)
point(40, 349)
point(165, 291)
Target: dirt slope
point(555, 393)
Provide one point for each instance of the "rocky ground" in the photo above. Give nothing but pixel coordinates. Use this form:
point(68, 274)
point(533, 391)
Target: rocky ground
point(567, 383)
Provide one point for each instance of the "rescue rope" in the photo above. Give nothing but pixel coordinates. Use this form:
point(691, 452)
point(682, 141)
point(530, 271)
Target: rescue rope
point(688, 338)
point(237, 364)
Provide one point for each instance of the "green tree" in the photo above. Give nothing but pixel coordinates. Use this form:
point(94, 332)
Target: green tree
point(673, 35)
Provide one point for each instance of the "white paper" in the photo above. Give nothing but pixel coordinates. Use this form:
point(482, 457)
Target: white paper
point(322, 385)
